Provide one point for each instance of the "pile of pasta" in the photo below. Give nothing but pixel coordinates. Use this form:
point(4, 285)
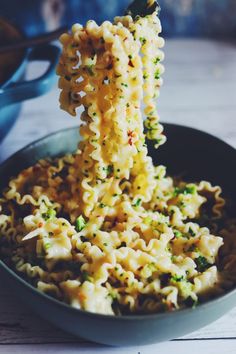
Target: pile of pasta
point(103, 229)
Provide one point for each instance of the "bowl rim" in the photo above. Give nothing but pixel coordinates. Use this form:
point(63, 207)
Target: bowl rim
point(150, 316)
point(21, 62)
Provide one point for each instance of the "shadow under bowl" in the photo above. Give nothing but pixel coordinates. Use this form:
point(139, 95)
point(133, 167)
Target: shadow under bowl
point(199, 156)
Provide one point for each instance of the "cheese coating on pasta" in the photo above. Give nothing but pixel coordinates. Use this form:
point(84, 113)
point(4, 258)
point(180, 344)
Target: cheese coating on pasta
point(104, 229)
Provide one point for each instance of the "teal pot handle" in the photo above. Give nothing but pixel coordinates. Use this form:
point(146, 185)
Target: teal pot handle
point(20, 91)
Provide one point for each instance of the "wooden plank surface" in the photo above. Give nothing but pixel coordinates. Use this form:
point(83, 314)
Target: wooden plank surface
point(199, 91)
point(173, 347)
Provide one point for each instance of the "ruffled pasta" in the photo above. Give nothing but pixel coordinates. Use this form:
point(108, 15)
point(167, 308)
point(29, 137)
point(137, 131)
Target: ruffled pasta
point(104, 229)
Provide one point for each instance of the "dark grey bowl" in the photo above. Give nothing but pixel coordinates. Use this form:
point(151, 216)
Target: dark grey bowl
point(201, 156)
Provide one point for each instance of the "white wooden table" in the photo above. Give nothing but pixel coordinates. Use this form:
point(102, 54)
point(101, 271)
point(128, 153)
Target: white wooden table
point(199, 91)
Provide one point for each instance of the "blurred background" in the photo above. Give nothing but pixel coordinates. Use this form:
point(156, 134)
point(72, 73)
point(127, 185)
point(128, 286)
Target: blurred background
point(191, 18)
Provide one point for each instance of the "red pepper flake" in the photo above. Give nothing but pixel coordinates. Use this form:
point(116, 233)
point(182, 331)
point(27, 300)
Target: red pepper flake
point(170, 305)
point(131, 136)
point(40, 224)
point(131, 63)
point(130, 133)
point(36, 168)
point(115, 221)
point(110, 66)
point(82, 297)
point(25, 173)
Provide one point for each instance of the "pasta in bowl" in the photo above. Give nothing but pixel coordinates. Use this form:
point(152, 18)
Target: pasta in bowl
point(104, 229)
point(134, 329)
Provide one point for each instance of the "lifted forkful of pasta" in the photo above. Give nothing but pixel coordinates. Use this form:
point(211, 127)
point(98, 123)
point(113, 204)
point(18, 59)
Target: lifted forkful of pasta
point(109, 69)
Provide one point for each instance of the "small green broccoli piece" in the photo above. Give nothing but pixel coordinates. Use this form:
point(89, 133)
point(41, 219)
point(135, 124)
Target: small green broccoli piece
point(86, 277)
point(202, 263)
point(177, 278)
point(138, 202)
point(147, 220)
point(142, 40)
point(190, 189)
point(177, 233)
point(80, 223)
point(47, 245)
point(191, 232)
point(49, 215)
point(157, 75)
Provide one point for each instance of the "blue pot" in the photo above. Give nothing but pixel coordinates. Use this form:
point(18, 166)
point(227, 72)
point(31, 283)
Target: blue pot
point(15, 89)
